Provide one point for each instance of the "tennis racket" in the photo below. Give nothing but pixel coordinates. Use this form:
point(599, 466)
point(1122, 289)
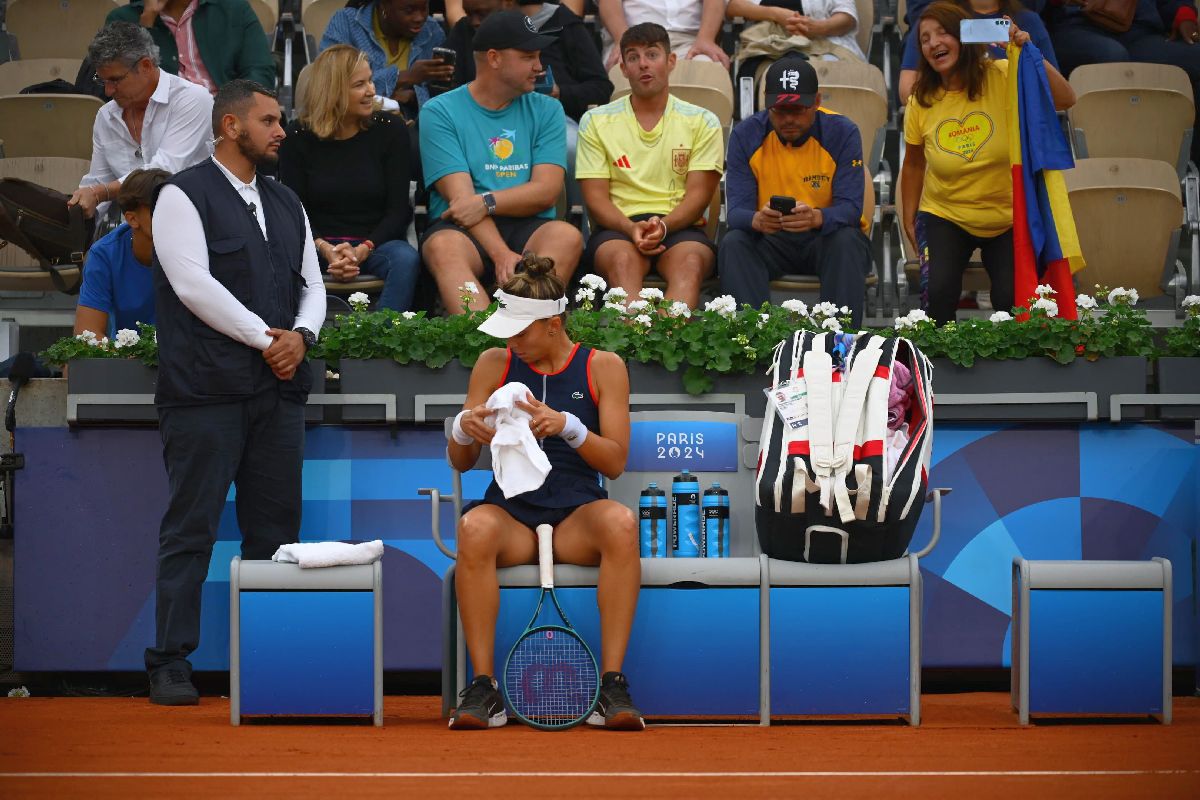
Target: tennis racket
point(550, 678)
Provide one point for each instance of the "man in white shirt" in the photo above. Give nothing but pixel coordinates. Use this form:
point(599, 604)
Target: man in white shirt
point(155, 120)
point(835, 21)
point(693, 26)
point(239, 299)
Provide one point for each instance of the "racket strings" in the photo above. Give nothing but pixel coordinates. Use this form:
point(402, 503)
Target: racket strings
point(551, 678)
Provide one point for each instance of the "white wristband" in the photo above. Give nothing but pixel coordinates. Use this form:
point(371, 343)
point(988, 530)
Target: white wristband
point(456, 431)
point(574, 432)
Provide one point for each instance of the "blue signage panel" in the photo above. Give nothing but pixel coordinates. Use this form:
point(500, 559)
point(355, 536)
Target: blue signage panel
point(672, 445)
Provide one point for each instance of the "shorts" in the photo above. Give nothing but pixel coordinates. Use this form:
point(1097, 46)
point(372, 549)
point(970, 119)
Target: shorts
point(527, 513)
point(515, 231)
point(601, 235)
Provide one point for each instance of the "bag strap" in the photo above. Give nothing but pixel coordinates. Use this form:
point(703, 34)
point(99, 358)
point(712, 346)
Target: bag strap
point(854, 399)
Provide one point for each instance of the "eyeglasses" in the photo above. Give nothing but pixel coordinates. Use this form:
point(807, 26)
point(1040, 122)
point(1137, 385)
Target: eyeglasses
point(113, 82)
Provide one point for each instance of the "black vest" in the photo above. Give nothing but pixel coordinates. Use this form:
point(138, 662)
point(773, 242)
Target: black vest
point(196, 364)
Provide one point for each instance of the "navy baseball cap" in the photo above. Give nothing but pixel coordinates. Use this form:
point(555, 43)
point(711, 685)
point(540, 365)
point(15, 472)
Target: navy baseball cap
point(791, 82)
point(505, 30)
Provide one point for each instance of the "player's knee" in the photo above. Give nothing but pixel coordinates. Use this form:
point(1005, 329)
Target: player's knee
point(618, 530)
point(477, 537)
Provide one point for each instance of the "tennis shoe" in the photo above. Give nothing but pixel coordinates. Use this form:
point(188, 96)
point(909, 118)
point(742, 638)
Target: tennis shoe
point(481, 707)
point(172, 686)
point(615, 709)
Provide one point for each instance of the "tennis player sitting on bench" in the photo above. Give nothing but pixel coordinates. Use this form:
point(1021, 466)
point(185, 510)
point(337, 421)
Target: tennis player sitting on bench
point(580, 416)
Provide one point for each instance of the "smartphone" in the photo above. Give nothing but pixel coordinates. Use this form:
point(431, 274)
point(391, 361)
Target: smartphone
point(446, 55)
point(783, 205)
point(545, 81)
point(983, 31)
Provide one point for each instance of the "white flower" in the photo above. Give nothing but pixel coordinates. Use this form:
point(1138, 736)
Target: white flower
point(653, 295)
point(87, 336)
point(359, 301)
point(638, 306)
point(1001, 316)
point(615, 306)
point(469, 288)
point(679, 309)
point(585, 293)
point(616, 295)
point(1047, 305)
point(1191, 304)
point(903, 323)
point(1044, 290)
point(796, 306)
point(102, 343)
point(832, 324)
point(1085, 302)
point(724, 305)
point(330, 375)
point(593, 282)
point(845, 311)
point(126, 338)
point(918, 315)
point(643, 319)
point(1122, 296)
point(763, 319)
point(408, 314)
point(825, 309)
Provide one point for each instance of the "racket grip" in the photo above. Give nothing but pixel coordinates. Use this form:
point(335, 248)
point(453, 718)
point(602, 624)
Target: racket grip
point(545, 535)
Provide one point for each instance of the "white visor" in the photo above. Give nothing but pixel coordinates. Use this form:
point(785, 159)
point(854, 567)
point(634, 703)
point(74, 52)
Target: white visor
point(515, 314)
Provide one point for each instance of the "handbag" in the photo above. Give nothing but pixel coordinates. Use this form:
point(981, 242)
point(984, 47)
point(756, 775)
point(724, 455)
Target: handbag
point(38, 220)
point(1115, 16)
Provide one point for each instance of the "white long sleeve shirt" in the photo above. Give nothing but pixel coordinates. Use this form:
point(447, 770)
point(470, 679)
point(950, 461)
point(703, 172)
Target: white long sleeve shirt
point(184, 258)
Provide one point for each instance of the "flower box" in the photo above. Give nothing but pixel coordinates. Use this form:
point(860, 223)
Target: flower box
point(405, 382)
point(656, 379)
point(1179, 375)
point(1105, 377)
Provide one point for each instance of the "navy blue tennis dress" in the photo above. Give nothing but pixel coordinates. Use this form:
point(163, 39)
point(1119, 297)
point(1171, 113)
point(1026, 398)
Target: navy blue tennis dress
point(571, 482)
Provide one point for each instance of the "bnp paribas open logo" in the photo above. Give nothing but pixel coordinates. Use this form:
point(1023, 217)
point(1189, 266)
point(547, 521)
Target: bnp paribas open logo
point(502, 145)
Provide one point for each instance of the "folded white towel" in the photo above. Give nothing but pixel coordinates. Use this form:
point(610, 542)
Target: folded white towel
point(518, 463)
point(329, 554)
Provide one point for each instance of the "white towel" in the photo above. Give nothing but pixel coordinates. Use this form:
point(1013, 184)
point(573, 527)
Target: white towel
point(518, 463)
point(329, 554)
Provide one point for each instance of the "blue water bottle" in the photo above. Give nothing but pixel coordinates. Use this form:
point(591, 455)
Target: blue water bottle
point(652, 520)
point(685, 515)
point(714, 507)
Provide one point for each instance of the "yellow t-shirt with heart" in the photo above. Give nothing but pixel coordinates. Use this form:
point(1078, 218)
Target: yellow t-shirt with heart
point(968, 177)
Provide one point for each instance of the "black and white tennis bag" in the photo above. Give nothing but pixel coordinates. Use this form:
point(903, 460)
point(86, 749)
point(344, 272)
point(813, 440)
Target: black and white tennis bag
point(824, 492)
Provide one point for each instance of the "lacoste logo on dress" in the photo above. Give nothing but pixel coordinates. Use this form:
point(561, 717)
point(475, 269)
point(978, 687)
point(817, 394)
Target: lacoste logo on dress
point(576, 395)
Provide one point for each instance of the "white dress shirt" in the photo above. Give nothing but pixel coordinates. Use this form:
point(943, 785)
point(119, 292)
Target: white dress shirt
point(824, 9)
point(184, 258)
point(176, 133)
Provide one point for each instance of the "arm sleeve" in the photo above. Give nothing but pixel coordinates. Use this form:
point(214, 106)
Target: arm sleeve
point(338, 29)
point(708, 153)
point(550, 143)
point(741, 187)
point(311, 312)
point(395, 167)
point(254, 60)
point(847, 207)
point(96, 291)
point(590, 158)
point(441, 154)
point(100, 171)
point(913, 134)
point(189, 128)
point(591, 85)
point(184, 259)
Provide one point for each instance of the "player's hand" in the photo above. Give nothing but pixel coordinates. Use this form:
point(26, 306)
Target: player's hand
point(544, 421)
point(805, 218)
point(710, 49)
point(1185, 31)
point(506, 266)
point(475, 424)
point(466, 211)
point(285, 353)
point(767, 220)
point(87, 198)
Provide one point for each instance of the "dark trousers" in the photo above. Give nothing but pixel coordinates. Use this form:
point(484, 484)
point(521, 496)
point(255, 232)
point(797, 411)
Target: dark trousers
point(748, 261)
point(255, 444)
point(945, 254)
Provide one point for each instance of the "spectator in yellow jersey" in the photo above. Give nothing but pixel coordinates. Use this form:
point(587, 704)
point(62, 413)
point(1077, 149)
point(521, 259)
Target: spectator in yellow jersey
point(648, 165)
point(795, 195)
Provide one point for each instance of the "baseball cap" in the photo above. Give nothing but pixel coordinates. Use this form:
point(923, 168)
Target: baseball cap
point(791, 82)
point(504, 30)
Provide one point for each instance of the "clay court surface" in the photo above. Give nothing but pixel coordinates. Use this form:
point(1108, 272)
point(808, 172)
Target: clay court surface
point(970, 746)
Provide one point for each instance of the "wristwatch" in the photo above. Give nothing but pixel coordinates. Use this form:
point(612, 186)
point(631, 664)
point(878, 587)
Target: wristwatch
point(489, 203)
point(308, 336)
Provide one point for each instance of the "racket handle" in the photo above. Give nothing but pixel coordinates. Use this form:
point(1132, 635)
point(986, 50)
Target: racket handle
point(545, 535)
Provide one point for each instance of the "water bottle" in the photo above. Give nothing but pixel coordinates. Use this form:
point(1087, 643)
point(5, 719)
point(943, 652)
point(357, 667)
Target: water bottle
point(652, 520)
point(715, 512)
point(685, 515)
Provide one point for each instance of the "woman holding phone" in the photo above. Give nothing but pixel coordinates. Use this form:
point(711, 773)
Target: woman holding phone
point(956, 182)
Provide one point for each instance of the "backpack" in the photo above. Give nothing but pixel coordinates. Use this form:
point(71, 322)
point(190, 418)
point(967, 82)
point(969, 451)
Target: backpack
point(824, 490)
point(37, 220)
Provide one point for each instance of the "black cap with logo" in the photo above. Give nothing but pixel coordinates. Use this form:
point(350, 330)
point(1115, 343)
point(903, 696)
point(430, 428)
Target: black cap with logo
point(505, 30)
point(791, 82)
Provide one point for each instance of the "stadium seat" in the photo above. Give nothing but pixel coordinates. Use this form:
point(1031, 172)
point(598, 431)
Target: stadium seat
point(1133, 110)
point(56, 28)
point(268, 15)
point(704, 83)
point(864, 33)
point(48, 125)
point(315, 18)
point(16, 75)
point(359, 283)
point(19, 272)
point(1111, 197)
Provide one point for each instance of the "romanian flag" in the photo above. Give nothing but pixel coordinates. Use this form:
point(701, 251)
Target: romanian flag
point(1045, 243)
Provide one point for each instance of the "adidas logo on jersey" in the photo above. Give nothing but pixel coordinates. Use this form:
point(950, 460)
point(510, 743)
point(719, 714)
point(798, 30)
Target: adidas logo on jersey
point(623, 163)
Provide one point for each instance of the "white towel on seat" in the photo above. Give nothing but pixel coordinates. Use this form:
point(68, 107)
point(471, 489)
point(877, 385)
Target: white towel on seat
point(518, 463)
point(329, 554)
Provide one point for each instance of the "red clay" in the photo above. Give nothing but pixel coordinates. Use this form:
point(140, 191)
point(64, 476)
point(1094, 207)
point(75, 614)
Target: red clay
point(967, 732)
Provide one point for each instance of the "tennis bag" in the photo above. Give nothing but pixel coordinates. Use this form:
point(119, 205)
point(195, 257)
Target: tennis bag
point(38, 220)
point(823, 490)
